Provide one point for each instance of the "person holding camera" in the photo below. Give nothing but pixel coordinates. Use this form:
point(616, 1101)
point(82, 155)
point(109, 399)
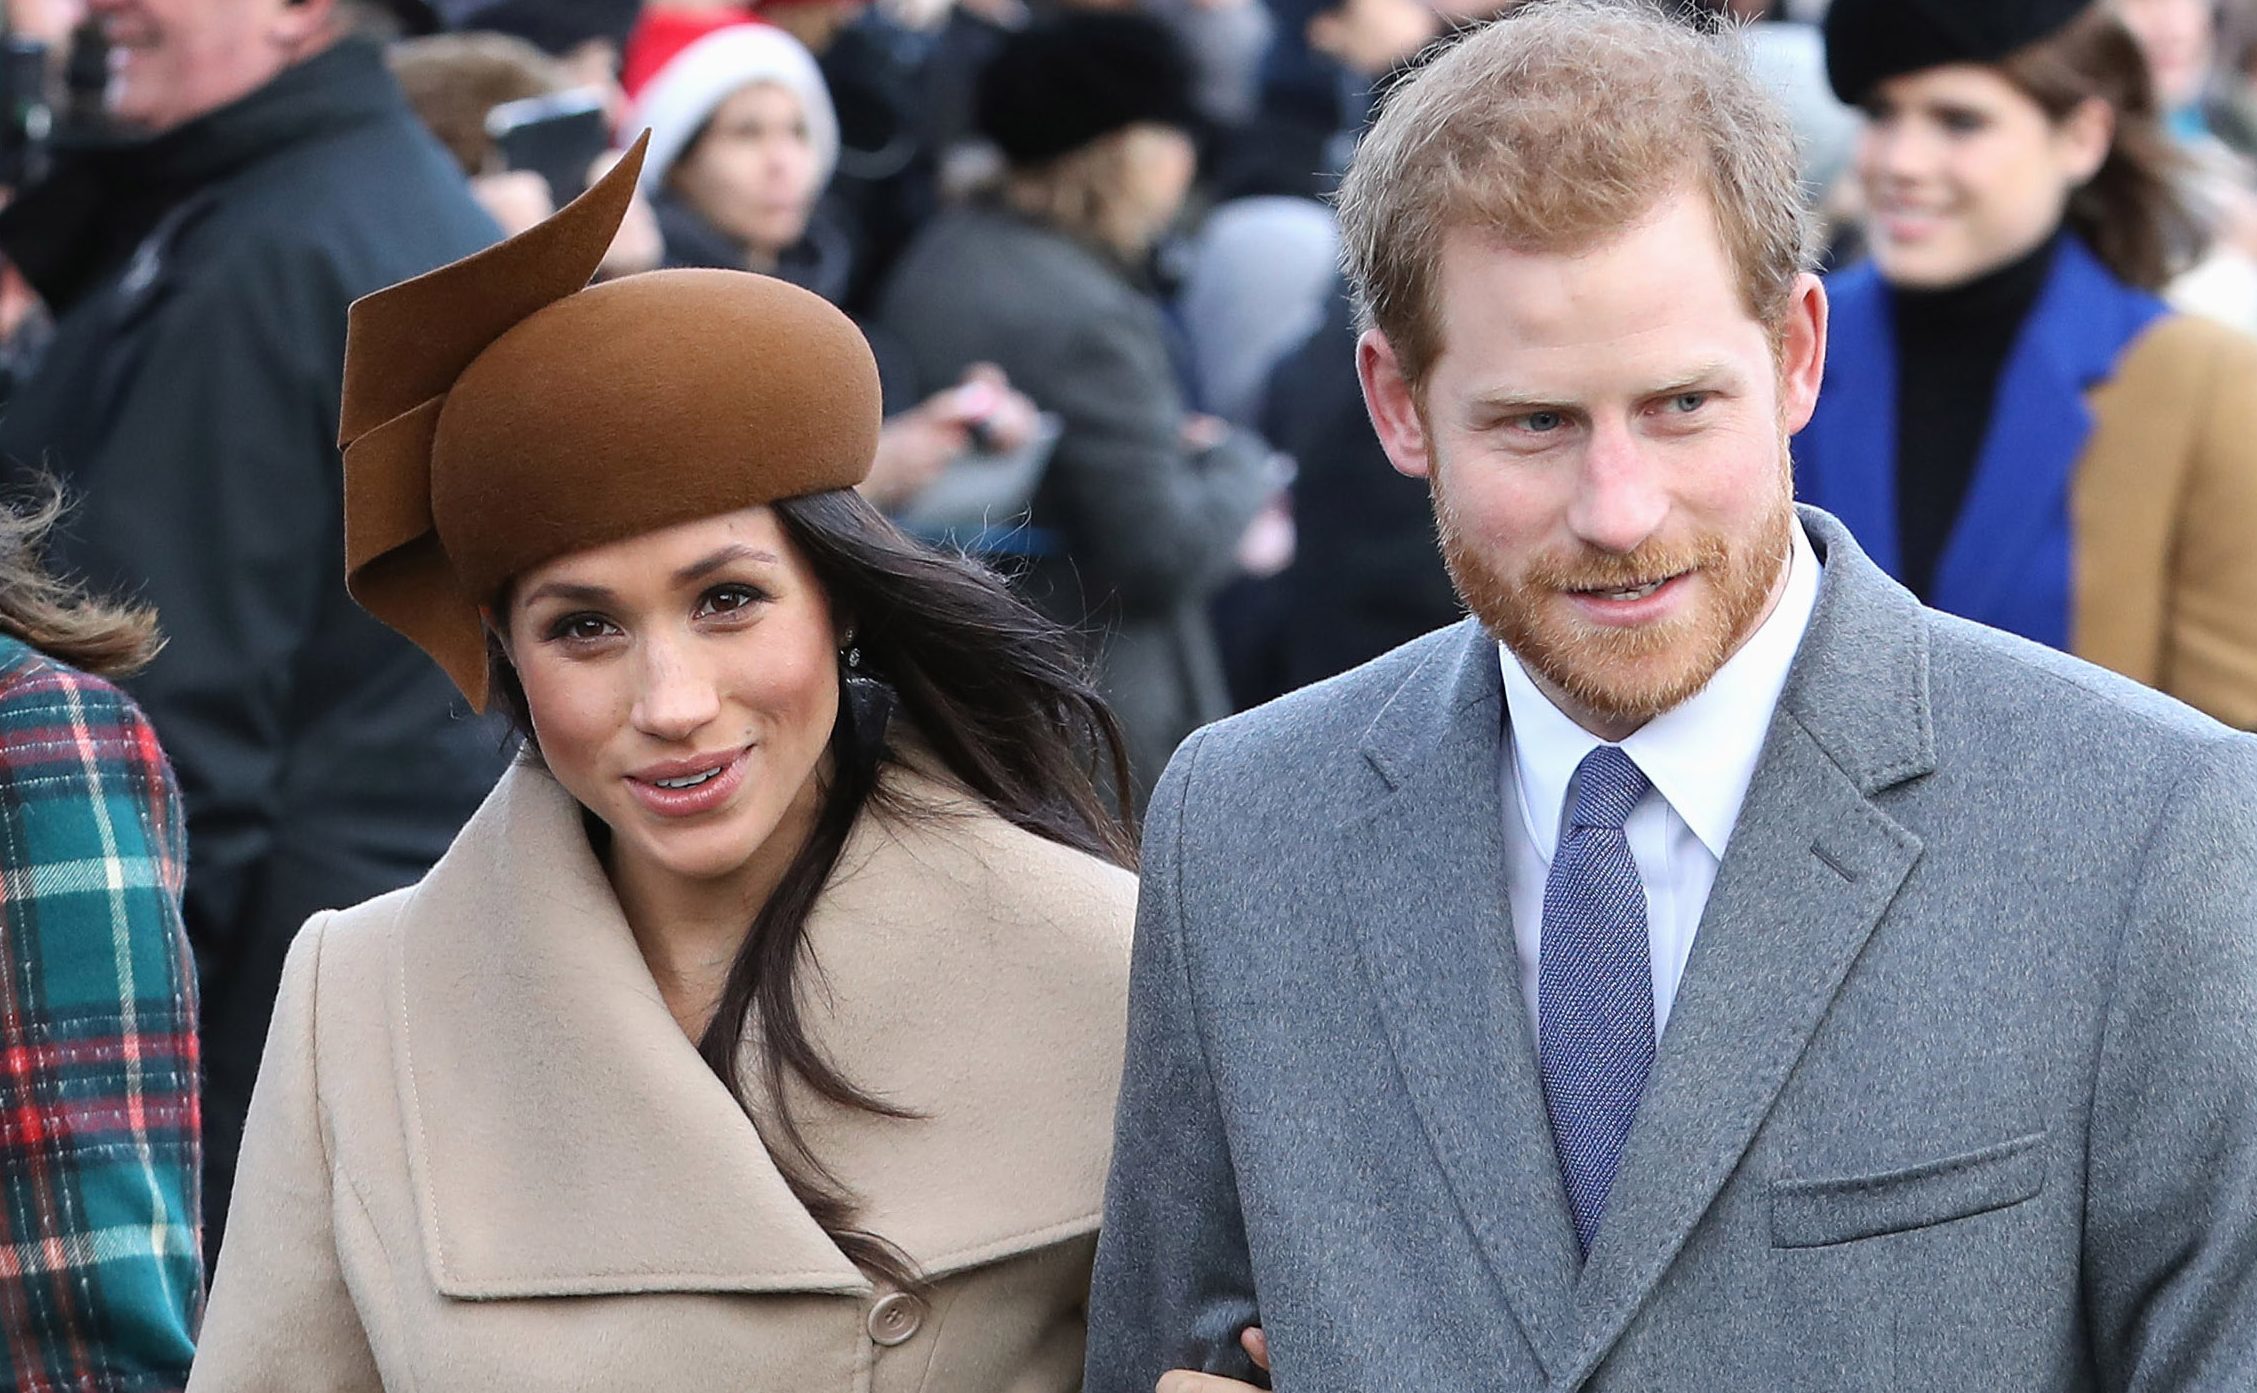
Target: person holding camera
point(199, 275)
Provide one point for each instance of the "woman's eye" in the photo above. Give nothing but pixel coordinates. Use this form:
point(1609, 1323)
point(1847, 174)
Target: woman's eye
point(729, 599)
point(580, 628)
point(1962, 122)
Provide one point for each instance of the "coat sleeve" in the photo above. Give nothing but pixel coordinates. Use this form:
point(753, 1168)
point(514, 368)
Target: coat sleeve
point(217, 497)
point(1174, 1284)
point(2171, 1226)
point(103, 1275)
point(281, 1319)
point(2211, 659)
point(1150, 523)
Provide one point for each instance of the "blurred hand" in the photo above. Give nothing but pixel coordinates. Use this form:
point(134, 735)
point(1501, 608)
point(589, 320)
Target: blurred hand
point(1005, 420)
point(1266, 546)
point(515, 198)
point(913, 448)
point(1257, 1346)
point(1203, 432)
point(48, 21)
point(18, 301)
point(1370, 37)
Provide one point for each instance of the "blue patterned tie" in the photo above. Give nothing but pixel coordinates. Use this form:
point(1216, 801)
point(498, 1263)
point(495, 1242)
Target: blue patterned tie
point(1595, 986)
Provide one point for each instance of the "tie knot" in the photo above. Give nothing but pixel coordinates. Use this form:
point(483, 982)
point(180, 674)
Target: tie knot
point(1607, 787)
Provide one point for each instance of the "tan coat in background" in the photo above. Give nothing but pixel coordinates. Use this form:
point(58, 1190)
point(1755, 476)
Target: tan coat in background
point(483, 1157)
point(2163, 507)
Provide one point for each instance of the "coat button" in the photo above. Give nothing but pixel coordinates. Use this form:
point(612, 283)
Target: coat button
point(895, 1318)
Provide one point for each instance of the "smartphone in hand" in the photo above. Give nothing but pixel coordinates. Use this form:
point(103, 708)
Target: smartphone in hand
point(557, 136)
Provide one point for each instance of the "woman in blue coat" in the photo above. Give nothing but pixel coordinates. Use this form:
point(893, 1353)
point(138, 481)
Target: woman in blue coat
point(2012, 422)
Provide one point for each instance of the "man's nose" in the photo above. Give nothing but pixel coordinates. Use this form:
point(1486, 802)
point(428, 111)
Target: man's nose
point(1621, 499)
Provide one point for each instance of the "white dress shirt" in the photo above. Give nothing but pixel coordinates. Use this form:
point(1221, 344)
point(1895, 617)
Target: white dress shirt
point(1699, 757)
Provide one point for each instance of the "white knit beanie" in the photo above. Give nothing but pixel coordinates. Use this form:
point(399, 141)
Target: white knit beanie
point(683, 95)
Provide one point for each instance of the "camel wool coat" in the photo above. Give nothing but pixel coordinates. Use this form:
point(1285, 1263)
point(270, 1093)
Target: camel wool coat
point(482, 1155)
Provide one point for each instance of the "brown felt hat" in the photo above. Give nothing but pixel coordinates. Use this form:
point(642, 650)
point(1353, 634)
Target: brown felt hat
point(500, 412)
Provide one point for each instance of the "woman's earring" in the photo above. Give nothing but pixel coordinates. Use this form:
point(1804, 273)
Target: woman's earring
point(869, 704)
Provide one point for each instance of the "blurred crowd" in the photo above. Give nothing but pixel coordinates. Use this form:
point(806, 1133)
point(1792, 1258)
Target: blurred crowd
point(1091, 244)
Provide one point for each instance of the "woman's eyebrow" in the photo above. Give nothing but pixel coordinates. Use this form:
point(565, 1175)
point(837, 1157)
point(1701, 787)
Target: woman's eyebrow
point(738, 551)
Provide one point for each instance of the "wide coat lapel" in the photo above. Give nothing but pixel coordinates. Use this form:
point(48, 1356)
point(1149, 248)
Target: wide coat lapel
point(565, 1138)
point(2007, 562)
point(1423, 875)
point(1812, 866)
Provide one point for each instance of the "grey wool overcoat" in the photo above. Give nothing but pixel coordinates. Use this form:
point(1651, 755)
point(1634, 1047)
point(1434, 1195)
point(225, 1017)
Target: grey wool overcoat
point(483, 1156)
point(1959, 1091)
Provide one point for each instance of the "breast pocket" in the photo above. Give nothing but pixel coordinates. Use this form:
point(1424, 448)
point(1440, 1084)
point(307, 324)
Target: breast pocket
point(1817, 1212)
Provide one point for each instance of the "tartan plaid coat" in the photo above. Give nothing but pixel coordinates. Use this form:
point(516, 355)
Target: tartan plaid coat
point(100, 1275)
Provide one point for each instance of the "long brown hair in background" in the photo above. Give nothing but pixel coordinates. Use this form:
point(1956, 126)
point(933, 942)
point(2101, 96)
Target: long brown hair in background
point(2135, 214)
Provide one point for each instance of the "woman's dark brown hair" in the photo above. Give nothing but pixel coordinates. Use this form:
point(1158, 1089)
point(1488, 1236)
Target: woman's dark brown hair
point(999, 695)
point(2135, 213)
point(56, 617)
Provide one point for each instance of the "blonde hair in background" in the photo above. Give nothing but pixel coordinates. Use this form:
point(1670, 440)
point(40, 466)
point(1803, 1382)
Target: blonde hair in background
point(1093, 194)
point(61, 619)
point(1553, 130)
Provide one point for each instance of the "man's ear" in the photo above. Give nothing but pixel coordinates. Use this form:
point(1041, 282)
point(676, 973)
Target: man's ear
point(1393, 403)
point(1802, 353)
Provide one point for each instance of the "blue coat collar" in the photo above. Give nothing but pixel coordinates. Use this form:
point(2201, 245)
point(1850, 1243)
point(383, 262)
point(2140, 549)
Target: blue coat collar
point(2009, 557)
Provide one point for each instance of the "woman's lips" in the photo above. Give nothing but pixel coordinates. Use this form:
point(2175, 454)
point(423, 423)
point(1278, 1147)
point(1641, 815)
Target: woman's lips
point(1907, 225)
point(696, 798)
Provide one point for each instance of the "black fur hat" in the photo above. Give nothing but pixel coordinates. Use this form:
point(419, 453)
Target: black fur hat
point(1870, 41)
point(1060, 83)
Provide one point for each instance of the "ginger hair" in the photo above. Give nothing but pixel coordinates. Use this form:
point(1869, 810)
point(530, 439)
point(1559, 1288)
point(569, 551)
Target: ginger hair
point(1553, 131)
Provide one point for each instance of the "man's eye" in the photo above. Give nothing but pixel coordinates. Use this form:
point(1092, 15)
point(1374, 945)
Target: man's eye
point(1686, 403)
point(1542, 422)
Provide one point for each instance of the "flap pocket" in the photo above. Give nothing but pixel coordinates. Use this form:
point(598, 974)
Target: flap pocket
point(1813, 1213)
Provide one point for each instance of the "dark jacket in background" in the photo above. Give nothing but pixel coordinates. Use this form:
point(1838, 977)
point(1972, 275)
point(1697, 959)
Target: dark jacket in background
point(1132, 531)
point(1367, 575)
point(190, 402)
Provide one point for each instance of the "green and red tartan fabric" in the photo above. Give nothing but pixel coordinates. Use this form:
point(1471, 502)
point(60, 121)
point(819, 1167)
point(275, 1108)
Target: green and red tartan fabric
point(101, 1279)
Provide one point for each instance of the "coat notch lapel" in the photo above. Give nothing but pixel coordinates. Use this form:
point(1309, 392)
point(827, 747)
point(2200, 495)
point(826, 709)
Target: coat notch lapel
point(1423, 874)
point(1812, 868)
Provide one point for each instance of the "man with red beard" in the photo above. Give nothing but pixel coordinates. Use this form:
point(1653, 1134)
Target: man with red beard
point(1704, 968)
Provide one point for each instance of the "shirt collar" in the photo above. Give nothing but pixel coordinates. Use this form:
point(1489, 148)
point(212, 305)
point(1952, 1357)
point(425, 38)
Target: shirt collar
point(1701, 754)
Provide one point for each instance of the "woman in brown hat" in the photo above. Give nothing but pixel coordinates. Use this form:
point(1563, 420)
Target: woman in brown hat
point(750, 1037)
